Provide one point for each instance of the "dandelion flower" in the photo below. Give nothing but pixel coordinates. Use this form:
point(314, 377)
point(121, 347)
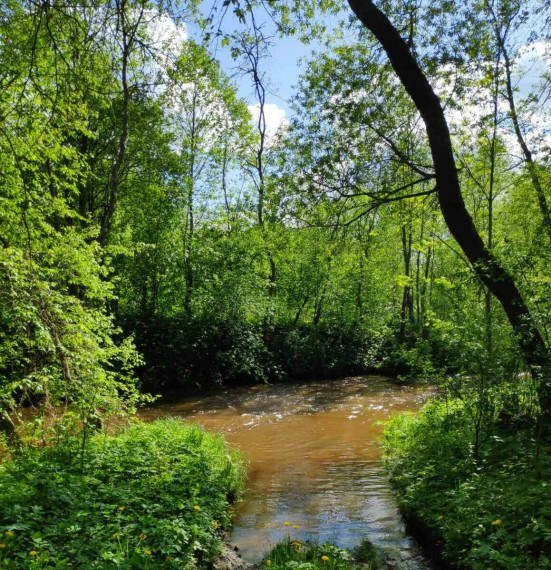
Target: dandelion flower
point(296, 526)
point(496, 522)
point(148, 552)
point(9, 533)
point(215, 524)
point(268, 562)
point(286, 523)
point(325, 558)
point(197, 507)
point(33, 553)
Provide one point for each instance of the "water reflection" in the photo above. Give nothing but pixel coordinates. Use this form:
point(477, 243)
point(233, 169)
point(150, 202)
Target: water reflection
point(314, 460)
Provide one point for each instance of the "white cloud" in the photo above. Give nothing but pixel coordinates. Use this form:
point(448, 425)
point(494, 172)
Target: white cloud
point(275, 117)
point(166, 35)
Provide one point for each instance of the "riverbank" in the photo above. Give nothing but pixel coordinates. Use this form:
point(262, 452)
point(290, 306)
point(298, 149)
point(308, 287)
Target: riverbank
point(187, 357)
point(314, 460)
point(480, 514)
point(154, 495)
point(313, 451)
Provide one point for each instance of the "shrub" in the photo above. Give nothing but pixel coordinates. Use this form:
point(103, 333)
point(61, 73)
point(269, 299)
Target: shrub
point(295, 554)
point(490, 513)
point(152, 496)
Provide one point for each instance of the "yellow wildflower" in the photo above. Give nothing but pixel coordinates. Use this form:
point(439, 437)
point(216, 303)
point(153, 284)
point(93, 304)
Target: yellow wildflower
point(33, 553)
point(296, 526)
point(496, 522)
point(268, 562)
point(440, 517)
point(148, 553)
point(325, 558)
point(2, 546)
point(9, 533)
point(197, 507)
point(215, 524)
point(121, 508)
point(286, 523)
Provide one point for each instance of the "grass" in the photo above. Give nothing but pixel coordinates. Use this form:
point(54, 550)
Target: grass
point(490, 513)
point(153, 496)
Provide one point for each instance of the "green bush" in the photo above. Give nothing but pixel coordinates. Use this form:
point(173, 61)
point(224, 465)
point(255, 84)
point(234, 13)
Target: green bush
point(152, 496)
point(297, 555)
point(490, 513)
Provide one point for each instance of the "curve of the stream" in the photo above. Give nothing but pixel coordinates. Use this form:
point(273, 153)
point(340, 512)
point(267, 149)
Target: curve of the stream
point(314, 461)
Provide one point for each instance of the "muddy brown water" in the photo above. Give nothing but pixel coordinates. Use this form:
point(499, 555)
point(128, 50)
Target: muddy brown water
point(314, 461)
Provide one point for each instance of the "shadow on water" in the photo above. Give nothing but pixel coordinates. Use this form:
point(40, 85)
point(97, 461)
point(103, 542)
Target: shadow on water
point(314, 461)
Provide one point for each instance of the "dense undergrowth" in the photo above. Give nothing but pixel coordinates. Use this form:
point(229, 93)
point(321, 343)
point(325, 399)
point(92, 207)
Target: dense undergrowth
point(153, 496)
point(182, 354)
point(490, 513)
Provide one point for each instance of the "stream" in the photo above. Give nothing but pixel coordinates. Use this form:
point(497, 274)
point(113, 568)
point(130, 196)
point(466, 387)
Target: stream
point(314, 461)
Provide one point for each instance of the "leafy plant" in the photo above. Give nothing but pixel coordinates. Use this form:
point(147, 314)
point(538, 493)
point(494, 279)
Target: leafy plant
point(152, 496)
point(490, 512)
point(295, 554)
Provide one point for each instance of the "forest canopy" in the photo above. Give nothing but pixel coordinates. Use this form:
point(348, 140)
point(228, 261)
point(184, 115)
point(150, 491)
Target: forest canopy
point(155, 230)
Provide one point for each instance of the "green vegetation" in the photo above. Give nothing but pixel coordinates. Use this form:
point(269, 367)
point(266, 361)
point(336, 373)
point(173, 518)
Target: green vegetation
point(289, 554)
point(488, 513)
point(152, 496)
point(157, 236)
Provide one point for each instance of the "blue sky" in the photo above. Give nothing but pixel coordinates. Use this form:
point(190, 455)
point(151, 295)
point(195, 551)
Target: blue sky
point(282, 68)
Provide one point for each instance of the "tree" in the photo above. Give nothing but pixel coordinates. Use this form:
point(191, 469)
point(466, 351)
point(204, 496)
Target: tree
point(458, 220)
point(207, 116)
point(504, 17)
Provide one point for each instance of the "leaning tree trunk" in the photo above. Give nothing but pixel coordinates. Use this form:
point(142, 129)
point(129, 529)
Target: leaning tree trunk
point(456, 216)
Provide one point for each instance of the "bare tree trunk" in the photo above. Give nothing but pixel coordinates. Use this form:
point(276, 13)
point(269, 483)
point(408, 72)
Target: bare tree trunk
point(190, 214)
point(406, 312)
point(254, 56)
point(491, 197)
point(452, 205)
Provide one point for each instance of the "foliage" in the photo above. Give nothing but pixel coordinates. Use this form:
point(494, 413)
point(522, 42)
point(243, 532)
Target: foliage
point(182, 354)
point(299, 555)
point(487, 513)
point(151, 496)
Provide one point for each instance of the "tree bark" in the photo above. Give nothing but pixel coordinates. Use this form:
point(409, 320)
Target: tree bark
point(128, 36)
point(452, 205)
